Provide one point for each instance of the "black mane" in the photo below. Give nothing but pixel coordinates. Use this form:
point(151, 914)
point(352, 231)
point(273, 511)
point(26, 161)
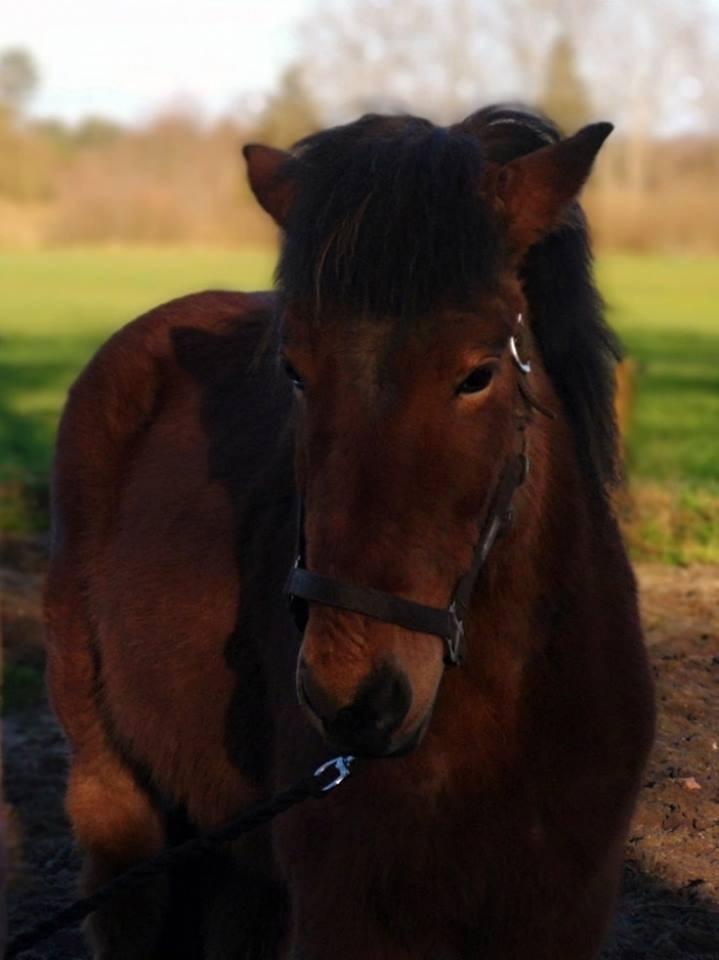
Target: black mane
point(579, 349)
point(388, 222)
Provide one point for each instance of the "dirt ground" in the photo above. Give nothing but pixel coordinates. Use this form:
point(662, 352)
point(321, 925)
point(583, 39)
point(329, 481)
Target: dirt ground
point(670, 901)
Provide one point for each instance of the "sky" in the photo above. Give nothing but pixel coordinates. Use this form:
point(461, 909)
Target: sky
point(129, 59)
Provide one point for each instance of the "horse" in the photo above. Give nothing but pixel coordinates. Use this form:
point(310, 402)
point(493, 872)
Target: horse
point(368, 512)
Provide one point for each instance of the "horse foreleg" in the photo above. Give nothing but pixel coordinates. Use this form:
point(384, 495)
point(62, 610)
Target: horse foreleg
point(113, 819)
point(247, 912)
point(331, 935)
point(116, 825)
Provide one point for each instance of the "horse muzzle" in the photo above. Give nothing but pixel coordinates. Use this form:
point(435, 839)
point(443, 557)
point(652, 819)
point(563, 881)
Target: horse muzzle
point(372, 723)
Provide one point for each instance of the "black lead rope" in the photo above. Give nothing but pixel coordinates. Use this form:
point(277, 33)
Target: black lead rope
point(325, 778)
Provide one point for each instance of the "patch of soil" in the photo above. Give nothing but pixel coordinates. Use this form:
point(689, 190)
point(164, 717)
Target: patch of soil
point(670, 901)
point(44, 874)
point(22, 566)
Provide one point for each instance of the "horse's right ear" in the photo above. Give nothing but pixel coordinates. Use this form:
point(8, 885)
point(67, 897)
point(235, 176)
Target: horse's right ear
point(269, 173)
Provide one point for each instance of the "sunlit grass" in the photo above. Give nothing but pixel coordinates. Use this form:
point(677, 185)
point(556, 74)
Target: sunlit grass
point(68, 293)
point(56, 307)
point(667, 312)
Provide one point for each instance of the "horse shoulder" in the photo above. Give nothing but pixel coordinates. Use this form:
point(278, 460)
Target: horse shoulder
point(142, 579)
point(112, 403)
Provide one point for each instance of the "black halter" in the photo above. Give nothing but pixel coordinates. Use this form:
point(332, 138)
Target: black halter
point(304, 587)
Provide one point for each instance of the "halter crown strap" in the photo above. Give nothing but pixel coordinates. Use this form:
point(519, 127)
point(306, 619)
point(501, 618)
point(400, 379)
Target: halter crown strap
point(304, 586)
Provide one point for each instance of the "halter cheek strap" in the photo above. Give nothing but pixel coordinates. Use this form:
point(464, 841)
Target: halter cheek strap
point(304, 587)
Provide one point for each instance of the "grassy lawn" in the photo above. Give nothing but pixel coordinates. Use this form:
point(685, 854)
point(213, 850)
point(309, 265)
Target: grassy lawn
point(56, 307)
point(666, 310)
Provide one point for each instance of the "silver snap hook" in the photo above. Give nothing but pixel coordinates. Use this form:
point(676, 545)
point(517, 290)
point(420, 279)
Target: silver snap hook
point(342, 766)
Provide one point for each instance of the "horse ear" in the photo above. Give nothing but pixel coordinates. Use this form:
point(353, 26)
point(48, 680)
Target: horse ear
point(533, 190)
point(268, 171)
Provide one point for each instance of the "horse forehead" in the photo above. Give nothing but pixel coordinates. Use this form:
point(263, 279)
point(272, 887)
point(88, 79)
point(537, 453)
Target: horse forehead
point(376, 364)
point(367, 348)
point(387, 355)
point(367, 366)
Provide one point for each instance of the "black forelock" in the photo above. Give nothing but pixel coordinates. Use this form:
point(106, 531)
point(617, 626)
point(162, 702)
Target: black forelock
point(388, 220)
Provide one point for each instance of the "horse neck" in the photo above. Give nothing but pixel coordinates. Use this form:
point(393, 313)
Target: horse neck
point(561, 521)
point(541, 601)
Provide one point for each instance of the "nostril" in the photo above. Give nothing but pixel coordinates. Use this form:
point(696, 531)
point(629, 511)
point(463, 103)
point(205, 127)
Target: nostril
point(381, 704)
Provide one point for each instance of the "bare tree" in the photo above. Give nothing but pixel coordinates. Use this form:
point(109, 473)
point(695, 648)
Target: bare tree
point(639, 69)
point(442, 58)
point(19, 80)
point(565, 97)
point(445, 57)
point(430, 56)
point(289, 114)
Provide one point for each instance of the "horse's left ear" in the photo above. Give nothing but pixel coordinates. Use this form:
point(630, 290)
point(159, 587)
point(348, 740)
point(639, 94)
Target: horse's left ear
point(532, 191)
point(270, 174)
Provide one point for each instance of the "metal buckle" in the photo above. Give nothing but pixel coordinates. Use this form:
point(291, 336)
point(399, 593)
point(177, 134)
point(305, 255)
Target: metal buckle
point(455, 641)
point(342, 767)
point(297, 605)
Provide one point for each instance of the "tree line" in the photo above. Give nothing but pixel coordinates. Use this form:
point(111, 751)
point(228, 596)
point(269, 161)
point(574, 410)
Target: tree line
point(179, 178)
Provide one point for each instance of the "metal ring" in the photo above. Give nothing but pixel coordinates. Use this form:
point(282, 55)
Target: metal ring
point(524, 367)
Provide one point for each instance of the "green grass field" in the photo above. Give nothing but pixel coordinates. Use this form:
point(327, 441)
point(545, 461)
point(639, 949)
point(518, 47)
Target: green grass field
point(666, 310)
point(57, 306)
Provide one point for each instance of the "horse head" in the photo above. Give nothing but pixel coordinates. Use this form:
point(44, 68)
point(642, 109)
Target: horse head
point(405, 332)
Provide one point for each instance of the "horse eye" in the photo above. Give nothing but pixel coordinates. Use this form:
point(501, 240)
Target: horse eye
point(294, 377)
point(477, 381)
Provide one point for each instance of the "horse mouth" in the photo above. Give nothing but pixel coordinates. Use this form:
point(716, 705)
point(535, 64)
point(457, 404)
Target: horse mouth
point(367, 743)
point(378, 749)
point(413, 740)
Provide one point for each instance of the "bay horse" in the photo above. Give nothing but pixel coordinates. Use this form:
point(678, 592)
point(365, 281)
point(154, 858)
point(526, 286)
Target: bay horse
point(417, 423)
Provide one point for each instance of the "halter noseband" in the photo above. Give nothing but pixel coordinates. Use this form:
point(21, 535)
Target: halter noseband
point(304, 587)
